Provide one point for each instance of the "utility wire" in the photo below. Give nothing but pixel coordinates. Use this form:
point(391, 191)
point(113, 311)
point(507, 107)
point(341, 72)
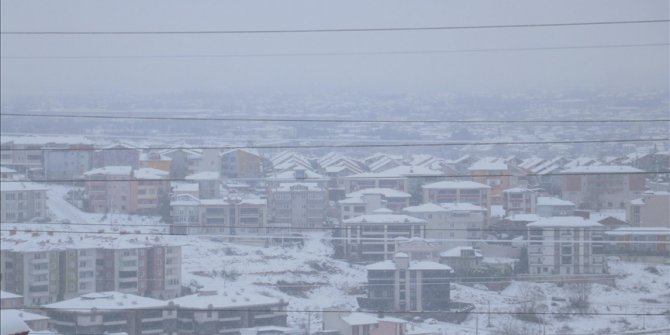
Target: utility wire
point(331, 54)
point(335, 30)
point(247, 119)
point(367, 145)
point(277, 179)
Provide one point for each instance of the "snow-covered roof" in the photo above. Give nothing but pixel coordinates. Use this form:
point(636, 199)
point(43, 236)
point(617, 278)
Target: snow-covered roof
point(12, 324)
point(602, 169)
point(389, 265)
point(150, 173)
point(352, 201)
point(375, 175)
point(626, 231)
point(42, 140)
point(204, 175)
point(184, 200)
point(551, 201)
point(517, 190)
point(32, 242)
point(286, 187)
point(359, 319)
point(564, 221)
point(386, 192)
point(105, 301)
point(425, 208)
point(23, 315)
point(382, 211)
point(465, 184)
point(185, 187)
point(111, 171)
point(408, 170)
point(224, 299)
point(523, 217)
point(6, 170)
point(252, 152)
point(22, 186)
point(462, 206)
point(384, 218)
point(488, 164)
point(456, 252)
point(9, 295)
point(292, 175)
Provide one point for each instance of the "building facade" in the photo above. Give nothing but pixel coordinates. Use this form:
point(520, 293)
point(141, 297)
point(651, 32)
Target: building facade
point(22, 201)
point(371, 237)
point(301, 205)
point(602, 186)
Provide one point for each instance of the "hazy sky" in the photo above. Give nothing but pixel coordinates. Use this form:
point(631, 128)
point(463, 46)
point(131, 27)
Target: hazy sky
point(629, 68)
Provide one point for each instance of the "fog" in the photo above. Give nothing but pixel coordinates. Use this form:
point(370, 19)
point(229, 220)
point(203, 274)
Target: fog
point(619, 68)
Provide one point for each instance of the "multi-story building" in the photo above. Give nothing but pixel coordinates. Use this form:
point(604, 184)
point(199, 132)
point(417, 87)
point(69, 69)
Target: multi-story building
point(465, 224)
point(230, 216)
point(109, 189)
point(456, 192)
point(36, 322)
point(209, 184)
point(296, 175)
point(639, 241)
point(651, 210)
point(155, 160)
point(495, 173)
point(565, 245)
point(550, 206)
point(113, 312)
point(371, 237)
point(599, 187)
point(435, 216)
point(361, 181)
point(10, 300)
point(22, 201)
point(401, 284)
point(120, 154)
point(519, 200)
point(243, 163)
point(300, 205)
point(24, 153)
point(337, 322)
point(374, 198)
point(67, 163)
point(52, 271)
point(215, 312)
point(183, 161)
point(151, 187)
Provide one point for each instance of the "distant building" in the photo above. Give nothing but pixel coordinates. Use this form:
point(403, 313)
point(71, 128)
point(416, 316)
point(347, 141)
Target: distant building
point(10, 300)
point(356, 323)
point(209, 184)
point(151, 188)
point(402, 285)
point(370, 237)
point(109, 189)
point(374, 198)
point(46, 273)
point(155, 160)
point(36, 322)
point(242, 164)
point(113, 312)
point(462, 259)
point(566, 245)
point(519, 200)
point(602, 186)
point(297, 205)
point(68, 162)
point(637, 241)
point(183, 161)
point(25, 153)
point(365, 180)
point(22, 201)
point(550, 206)
point(120, 154)
point(296, 175)
point(495, 173)
point(217, 312)
point(230, 216)
point(458, 191)
point(651, 210)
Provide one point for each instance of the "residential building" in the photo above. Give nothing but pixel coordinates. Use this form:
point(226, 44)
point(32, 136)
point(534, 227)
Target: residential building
point(297, 205)
point(599, 187)
point(151, 188)
point(356, 323)
point(376, 198)
point(639, 241)
point(435, 216)
point(120, 154)
point(183, 161)
point(209, 184)
point(419, 248)
point(297, 175)
point(495, 173)
point(113, 312)
point(155, 160)
point(519, 200)
point(7, 173)
point(231, 216)
point(464, 225)
point(550, 206)
point(456, 192)
point(370, 237)
point(462, 259)
point(365, 180)
point(218, 312)
point(401, 284)
point(10, 300)
point(22, 201)
point(242, 164)
point(24, 153)
point(109, 189)
point(47, 271)
point(565, 245)
point(36, 322)
point(68, 162)
point(651, 210)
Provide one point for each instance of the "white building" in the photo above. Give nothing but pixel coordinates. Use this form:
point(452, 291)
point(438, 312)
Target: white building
point(565, 245)
point(22, 201)
point(457, 192)
point(550, 206)
point(371, 237)
point(297, 205)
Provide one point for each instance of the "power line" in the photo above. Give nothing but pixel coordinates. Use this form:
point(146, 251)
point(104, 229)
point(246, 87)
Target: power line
point(335, 30)
point(360, 238)
point(367, 145)
point(270, 178)
point(246, 119)
point(333, 54)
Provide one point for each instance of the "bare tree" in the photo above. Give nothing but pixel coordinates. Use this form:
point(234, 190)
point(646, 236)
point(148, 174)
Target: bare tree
point(579, 295)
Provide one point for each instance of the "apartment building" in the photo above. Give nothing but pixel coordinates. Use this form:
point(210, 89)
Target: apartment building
point(374, 198)
point(25, 153)
point(519, 200)
point(599, 187)
point(453, 224)
point(356, 323)
point(297, 205)
point(219, 312)
point(230, 216)
point(495, 173)
point(155, 160)
point(120, 154)
point(151, 187)
point(401, 284)
point(243, 163)
point(183, 162)
point(371, 237)
point(67, 162)
point(209, 184)
point(361, 181)
point(651, 210)
point(22, 201)
point(456, 192)
point(113, 312)
point(10, 300)
point(551, 206)
point(109, 189)
point(565, 245)
point(297, 175)
point(49, 271)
